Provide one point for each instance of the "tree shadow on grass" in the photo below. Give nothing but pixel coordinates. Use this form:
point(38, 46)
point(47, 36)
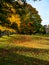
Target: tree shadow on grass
point(8, 57)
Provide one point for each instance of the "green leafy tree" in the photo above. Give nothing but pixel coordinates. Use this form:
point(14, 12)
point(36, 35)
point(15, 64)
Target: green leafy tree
point(42, 30)
point(30, 20)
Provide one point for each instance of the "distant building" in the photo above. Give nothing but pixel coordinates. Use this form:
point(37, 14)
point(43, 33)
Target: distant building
point(47, 28)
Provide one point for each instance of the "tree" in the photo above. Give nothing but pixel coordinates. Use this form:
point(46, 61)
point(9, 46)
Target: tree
point(25, 1)
point(27, 28)
point(9, 1)
point(28, 15)
point(42, 30)
point(0, 33)
point(30, 20)
point(15, 26)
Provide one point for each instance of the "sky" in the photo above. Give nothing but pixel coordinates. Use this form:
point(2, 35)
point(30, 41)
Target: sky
point(43, 8)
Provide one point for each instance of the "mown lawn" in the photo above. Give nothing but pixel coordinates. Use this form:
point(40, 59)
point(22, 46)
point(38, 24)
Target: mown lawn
point(24, 50)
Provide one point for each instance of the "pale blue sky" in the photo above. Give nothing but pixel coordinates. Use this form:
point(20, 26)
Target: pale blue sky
point(43, 9)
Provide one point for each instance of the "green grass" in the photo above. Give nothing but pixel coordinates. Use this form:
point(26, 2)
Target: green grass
point(12, 53)
point(17, 56)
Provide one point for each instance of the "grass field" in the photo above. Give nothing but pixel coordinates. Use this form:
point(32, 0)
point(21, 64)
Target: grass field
point(24, 50)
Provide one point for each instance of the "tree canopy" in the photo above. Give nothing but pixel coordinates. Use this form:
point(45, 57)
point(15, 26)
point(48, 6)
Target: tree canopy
point(27, 17)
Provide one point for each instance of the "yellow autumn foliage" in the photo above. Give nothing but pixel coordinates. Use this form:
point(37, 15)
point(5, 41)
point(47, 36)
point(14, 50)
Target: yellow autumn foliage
point(15, 18)
point(5, 28)
point(12, 16)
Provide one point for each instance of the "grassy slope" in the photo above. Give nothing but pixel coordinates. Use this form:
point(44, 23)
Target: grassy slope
point(24, 50)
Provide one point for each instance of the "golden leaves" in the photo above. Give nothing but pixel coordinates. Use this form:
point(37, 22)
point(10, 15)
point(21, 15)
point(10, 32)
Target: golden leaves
point(5, 28)
point(15, 18)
